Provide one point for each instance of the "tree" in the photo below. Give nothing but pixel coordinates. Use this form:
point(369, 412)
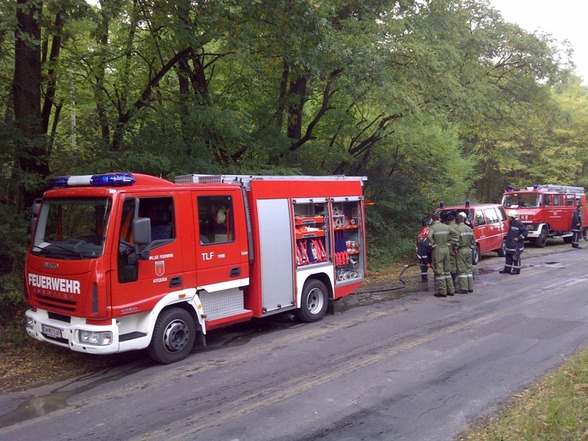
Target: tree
point(33, 160)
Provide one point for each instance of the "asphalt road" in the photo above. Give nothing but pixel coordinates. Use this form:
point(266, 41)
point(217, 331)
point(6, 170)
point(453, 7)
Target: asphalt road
point(389, 365)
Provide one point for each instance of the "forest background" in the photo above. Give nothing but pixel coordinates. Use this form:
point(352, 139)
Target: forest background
point(432, 100)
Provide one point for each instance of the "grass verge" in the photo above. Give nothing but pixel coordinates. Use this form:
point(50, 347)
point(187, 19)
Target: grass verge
point(555, 408)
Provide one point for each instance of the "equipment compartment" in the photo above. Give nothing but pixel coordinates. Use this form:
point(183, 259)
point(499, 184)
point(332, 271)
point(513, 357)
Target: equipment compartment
point(311, 231)
point(349, 241)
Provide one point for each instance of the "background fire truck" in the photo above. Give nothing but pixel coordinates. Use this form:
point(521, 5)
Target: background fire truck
point(123, 261)
point(547, 210)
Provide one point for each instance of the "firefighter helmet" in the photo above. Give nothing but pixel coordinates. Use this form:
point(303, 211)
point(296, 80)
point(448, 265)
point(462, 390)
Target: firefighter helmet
point(512, 213)
point(463, 215)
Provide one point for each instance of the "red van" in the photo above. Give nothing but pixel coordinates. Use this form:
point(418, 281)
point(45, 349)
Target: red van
point(488, 221)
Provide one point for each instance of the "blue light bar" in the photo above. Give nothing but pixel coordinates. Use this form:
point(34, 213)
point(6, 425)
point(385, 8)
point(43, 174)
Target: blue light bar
point(441, 204)
point(58, 182)
point(114, 179)
point(107, 179)
point(468, 204)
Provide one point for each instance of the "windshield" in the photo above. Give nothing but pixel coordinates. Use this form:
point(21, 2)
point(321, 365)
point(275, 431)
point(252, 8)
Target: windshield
point(445, 213)
point(73, 228)
point(521, 200)
point(452, 211)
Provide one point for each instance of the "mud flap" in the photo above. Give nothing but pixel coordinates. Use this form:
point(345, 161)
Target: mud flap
point(331, 307)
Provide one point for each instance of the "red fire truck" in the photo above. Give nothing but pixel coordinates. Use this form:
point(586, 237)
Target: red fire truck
point(547, 210)
point(125, 261)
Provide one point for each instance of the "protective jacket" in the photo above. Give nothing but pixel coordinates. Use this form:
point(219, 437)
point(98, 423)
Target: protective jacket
point(576, 220)
point(442, 239)
point(577, 231)
point(466, 236)
point(467, 241)
point(517, 230)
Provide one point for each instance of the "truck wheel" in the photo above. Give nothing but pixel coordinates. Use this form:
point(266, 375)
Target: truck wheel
point(173, 336)
point(314, 302)
point(542, 239)
point(476, 255)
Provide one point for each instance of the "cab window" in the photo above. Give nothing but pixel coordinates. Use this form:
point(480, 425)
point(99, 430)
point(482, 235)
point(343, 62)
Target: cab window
point(161, 213)
point(570, 200)
point(159, 210)
point(480, 218)
point(215, 219)
point(557, 199)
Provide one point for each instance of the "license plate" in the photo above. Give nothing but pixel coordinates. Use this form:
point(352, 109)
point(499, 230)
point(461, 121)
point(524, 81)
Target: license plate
point(50, 331)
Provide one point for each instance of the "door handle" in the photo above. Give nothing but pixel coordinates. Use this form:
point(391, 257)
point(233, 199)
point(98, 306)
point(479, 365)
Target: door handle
point(175, 282)
point(235, 271)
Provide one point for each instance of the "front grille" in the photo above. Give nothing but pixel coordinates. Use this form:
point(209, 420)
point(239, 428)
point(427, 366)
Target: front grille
point(56, 303)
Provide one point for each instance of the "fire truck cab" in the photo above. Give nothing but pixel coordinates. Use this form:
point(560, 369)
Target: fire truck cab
point(547, 210)
point(125, 261)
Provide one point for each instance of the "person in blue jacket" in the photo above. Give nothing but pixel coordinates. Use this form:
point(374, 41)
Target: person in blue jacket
point(577, 226)
point(515, 243)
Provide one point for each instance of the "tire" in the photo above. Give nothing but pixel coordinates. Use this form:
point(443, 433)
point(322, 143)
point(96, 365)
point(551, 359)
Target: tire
point(502, 250)
point(476, 255)
point(174, 335)
point(314, 301)
point(542, 239)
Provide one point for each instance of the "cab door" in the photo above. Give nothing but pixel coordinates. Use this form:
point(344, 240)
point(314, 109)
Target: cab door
point(139, 282)
point(221, 240)
point(493, 232)
point(481, 230)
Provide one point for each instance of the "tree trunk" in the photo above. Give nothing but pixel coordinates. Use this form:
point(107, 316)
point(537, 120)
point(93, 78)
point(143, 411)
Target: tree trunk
point(296, 107)
point(33, 159)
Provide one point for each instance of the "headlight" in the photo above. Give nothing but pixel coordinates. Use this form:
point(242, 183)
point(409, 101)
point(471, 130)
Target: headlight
point(96, 338)
point(30, 323)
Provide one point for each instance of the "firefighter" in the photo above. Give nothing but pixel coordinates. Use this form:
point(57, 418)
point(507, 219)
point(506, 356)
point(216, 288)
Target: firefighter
point(577, 226)
point(442, 239)
point(515, 244)
point(465, 268)
point(423, 251)
point(450, 219)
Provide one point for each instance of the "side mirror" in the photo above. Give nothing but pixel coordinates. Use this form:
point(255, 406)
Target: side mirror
point(142, 231)
point(35, 209)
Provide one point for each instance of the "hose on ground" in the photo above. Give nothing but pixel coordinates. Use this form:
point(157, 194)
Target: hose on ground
point(403, 283)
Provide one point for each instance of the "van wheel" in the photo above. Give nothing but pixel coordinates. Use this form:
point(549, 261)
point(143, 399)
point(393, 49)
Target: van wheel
point(476, 255)
point(173, 336)
point(542, 239)
point(502, 250)
point(314, 302)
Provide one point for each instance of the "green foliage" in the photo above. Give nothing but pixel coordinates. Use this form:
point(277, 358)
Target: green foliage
point(14, 239)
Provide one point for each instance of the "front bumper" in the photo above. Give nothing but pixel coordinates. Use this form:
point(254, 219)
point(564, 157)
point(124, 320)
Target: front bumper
point(41, 327)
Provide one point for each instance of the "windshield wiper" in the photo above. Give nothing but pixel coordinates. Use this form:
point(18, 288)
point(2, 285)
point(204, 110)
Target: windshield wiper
point(48, 250)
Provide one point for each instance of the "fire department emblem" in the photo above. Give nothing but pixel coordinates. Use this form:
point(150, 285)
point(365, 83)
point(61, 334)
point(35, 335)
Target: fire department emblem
point(160, 268)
